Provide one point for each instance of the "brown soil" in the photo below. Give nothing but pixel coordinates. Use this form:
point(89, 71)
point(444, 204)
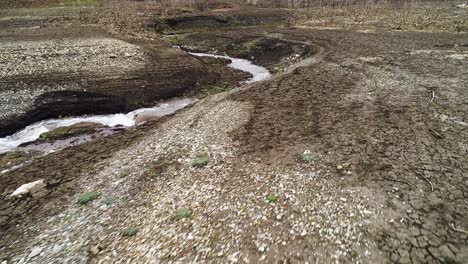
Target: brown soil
point(385, 112)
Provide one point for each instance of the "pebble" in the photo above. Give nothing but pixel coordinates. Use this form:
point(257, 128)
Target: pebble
point(36, 251)
point(57, 248)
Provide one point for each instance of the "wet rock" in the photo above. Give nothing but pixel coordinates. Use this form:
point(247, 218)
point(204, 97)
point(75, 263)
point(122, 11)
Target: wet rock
point(145, 117)
point(73, 130)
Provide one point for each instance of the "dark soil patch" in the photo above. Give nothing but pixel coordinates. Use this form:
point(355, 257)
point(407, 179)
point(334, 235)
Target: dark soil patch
point(227, 18)
point(273, 53)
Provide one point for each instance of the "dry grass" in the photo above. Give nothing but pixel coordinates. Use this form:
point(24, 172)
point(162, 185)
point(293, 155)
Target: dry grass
point(411, 17)
point(137, 18)
point(125, 17)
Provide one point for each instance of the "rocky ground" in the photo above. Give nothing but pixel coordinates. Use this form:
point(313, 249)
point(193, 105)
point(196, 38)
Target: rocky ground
point(356, 153)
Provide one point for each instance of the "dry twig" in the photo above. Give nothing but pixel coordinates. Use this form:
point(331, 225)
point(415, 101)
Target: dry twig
point(426, 179)
point(458, 230)
point(400, 181)
point(432, 99)
point(437, 134)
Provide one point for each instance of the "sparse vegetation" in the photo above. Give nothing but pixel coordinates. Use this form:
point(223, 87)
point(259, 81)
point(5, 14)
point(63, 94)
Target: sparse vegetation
point(44, 136)
point(125, 17)
point(124, 174)
point(151, 173)
point(215, 89)
point(380, 17)
point(200, 162)
point(308, 156)
point(109, 200)
point(67, 218)
point(130, 231)
point(183, 213)
point(272, 198)
point(88, 197)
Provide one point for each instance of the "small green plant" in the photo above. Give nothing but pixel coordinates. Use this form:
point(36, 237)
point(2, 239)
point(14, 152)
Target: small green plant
point(136, 103)
point(308, 156)
point(151, 172)
point(183, 213)
point(218, 89)
point(272, 198)
point(200, 162)
point(129, 232)
point(88, 197)
point(109, 200)
point(67, 218)
point(44, 136)
point(124, 174)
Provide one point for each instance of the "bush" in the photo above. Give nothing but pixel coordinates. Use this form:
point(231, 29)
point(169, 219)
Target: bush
point(200, 162)
point(88, 197)
point(183, 213)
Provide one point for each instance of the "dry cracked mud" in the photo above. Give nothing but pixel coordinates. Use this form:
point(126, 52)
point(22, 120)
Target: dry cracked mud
point(356, 154)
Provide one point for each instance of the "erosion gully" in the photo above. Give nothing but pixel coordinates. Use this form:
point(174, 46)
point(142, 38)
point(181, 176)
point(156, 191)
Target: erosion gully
point(114, 122)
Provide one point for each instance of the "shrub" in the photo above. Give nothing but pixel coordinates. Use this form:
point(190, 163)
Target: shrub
point(272, 198)
point(130, 231)
point(183, 213)
point(88, 197)
point(200, 162)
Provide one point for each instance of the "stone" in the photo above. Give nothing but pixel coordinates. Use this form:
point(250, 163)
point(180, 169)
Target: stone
point(56, 249)
point(94, 250)
point(36, 251)
point(29, 188)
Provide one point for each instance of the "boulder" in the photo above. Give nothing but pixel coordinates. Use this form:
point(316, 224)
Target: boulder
point(31, 188)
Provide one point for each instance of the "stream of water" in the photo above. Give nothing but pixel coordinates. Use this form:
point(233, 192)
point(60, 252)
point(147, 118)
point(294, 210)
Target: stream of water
point(32, 132)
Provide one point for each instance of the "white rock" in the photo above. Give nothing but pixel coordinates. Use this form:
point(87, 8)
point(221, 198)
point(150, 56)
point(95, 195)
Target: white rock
point(232, 258)
point(56, 249)
point(31, 187)
point(36, 251)
point(262, 247)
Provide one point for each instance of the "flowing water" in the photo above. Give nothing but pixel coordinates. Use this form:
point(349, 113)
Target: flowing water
point(32, 132)
point(259, 73)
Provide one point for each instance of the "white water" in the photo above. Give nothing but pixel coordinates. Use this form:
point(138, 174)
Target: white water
point(259, 73)
point(32, 132)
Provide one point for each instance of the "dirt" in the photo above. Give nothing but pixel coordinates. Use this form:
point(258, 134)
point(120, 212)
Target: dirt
point(222, 18)
point(381, 118)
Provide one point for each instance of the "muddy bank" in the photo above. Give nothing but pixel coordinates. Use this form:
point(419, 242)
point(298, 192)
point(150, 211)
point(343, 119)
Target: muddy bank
point(91, 72)
point(269, 51)
point(226, 18)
